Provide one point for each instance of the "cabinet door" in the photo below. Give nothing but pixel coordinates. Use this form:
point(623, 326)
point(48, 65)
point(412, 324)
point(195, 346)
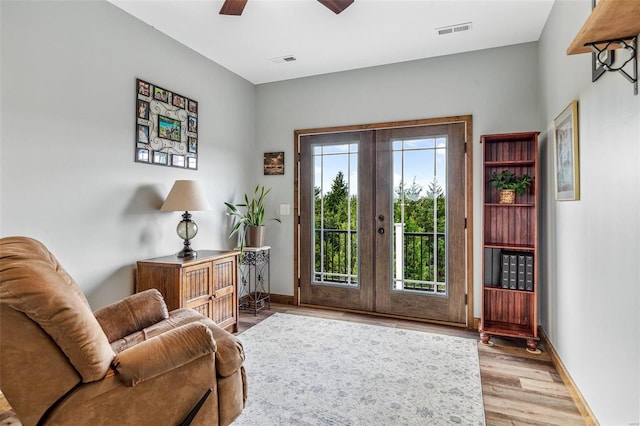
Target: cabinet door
point(197, 288)
point(225, 303)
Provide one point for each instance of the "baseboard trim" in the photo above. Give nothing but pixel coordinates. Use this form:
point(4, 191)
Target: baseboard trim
point(476, 323)
point(578, 399)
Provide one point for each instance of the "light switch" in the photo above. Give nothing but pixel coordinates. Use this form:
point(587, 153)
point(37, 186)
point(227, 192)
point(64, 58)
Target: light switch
point(285, 210)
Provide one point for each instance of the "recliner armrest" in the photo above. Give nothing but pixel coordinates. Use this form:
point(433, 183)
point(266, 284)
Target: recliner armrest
point(164, 353)
point(132, 314)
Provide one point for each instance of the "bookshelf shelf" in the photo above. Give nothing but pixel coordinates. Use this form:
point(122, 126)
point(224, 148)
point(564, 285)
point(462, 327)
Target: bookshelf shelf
point(509, 206)
point(500, 289)
point(509, 247)
point(509, 163)
point(509, 329)
point(510, 243)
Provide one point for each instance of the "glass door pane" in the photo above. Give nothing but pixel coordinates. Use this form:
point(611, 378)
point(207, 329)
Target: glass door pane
point(419, 249)
point(335, 221)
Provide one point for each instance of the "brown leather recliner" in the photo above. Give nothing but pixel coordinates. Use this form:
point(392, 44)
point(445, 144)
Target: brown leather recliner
point(129, 363)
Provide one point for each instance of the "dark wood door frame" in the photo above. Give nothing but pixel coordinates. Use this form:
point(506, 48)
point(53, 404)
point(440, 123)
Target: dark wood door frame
point(467, 120)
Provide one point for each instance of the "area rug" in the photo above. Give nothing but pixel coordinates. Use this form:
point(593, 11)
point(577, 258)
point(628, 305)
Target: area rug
point(313, 371)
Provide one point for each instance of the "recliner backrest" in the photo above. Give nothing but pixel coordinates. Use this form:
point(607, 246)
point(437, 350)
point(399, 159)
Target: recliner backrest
point(33, 282)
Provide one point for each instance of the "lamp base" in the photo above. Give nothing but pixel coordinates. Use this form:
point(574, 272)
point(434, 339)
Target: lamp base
point(187, 229)
point(187, 253)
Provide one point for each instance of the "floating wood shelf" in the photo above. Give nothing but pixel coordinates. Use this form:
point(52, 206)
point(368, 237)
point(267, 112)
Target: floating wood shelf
point(610, 20)
point(613, 24)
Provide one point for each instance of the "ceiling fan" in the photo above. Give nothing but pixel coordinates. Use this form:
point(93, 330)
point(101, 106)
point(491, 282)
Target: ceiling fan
point(235, 7)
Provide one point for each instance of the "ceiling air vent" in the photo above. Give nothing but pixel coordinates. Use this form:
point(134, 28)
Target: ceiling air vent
point(283, 59)
point(454, 28)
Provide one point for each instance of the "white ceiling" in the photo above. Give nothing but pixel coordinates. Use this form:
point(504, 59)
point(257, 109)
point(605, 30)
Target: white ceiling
point(367, 33)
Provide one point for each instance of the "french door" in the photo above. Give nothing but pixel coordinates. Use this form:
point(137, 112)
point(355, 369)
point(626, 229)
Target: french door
point(382, 220)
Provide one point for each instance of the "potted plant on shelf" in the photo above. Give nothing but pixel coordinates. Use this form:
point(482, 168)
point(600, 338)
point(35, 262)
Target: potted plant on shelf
point(509, 185)
point(249, 218)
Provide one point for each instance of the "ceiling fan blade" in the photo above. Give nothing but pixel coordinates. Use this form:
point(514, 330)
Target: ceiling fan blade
point(233, 7)
point(336, 6)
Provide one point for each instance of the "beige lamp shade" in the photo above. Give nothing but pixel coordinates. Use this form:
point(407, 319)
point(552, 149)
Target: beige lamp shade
point(186, 195)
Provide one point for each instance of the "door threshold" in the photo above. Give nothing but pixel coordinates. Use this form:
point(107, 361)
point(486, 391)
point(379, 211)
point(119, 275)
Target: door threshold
point(383, 315)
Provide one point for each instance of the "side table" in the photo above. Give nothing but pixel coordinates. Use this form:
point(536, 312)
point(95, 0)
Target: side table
point(255, 279)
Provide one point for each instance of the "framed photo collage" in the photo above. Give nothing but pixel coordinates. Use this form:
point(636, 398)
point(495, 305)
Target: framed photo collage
point(166, 127)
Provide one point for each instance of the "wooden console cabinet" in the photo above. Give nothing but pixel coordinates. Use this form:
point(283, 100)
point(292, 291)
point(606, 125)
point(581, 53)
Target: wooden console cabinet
point(207, 283)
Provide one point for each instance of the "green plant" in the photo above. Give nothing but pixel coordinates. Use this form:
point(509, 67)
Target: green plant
point(508, 180)
point(249, 213)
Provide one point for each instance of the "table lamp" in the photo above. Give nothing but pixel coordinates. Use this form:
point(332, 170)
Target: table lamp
point(186, 195)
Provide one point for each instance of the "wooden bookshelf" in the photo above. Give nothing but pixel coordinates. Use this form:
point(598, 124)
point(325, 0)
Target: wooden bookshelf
point(510, 229)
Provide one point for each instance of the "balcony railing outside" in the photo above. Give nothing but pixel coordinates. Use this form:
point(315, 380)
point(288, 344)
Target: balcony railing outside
point(419, 266)
point(337, 264)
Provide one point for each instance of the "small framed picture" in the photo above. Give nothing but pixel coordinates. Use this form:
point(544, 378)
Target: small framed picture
point(177, 160)
point(565, 131)
point(143, 133)
point(159, 94)
point(192, 124)
point(144, 88)
point(274, 163)
point(160, 157)
point(193, 145)
point(179, 101)
point(169, 128)
point(142, 154)
point(192, 162)
point(192, 106)
point(143, 109)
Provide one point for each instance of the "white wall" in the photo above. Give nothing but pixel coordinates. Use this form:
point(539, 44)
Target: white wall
point(591, 305)
point(67, 141)
point(499, 87)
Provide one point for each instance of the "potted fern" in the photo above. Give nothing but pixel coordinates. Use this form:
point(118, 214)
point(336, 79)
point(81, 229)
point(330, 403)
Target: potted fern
point(249, 218)
point(509, 185)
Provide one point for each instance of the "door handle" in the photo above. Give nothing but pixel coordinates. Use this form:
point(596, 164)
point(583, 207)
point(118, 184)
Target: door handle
point(380, 231)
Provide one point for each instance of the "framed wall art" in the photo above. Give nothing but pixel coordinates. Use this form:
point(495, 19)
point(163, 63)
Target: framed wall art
point(567, 168)
point(166, 127)
point(274, 163)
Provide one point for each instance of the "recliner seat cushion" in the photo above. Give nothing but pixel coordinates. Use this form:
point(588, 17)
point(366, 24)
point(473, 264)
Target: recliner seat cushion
point(229, 350)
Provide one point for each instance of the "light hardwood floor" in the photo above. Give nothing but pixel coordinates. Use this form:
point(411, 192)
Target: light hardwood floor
point(518, 388)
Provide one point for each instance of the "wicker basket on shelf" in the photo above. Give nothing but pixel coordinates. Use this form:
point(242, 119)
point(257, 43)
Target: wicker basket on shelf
point(507, 196)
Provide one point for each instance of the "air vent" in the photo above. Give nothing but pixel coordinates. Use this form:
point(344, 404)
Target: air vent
point(283, 59)
point(454, 28)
